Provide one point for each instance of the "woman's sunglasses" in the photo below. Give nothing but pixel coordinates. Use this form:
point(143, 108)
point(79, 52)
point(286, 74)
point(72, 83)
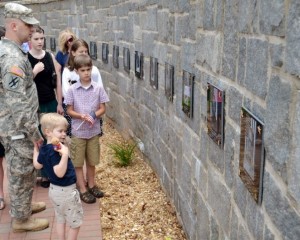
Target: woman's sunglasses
point(70, 40)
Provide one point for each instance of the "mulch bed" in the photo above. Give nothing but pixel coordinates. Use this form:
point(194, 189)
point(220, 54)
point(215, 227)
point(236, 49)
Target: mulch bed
point(134, 206)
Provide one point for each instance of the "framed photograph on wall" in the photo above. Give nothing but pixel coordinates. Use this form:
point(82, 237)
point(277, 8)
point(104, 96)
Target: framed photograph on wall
point(105, 51)
point(215, 114)
point(139, 64)
point(116, 56)
point(126, 59)
point(154, 72)
point(252, 154)
point(52, 44)
point(169, 81)
point(188, 93)
point(93, 50)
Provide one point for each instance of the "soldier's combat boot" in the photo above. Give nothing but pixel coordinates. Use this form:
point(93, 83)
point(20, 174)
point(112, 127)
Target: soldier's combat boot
point(38, 207)
point(31, 224)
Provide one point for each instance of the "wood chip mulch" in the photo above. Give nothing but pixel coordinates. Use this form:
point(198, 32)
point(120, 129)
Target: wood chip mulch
point(134, 206)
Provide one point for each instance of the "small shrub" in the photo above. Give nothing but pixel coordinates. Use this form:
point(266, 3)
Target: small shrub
point(123, 152)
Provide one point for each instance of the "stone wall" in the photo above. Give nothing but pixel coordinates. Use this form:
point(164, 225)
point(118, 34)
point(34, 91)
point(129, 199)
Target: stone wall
point(249, 49)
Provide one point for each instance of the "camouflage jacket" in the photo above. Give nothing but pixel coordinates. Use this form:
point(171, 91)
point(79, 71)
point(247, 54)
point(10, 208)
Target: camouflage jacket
point(18, 94)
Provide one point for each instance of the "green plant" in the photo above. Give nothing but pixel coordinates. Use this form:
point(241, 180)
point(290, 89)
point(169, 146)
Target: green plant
point(123, 152)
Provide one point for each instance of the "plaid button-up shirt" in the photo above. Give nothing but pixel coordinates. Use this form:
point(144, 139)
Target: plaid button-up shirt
point(84, 101)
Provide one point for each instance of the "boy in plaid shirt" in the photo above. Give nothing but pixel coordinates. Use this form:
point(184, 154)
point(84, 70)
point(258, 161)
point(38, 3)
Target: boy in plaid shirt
point(85, 102)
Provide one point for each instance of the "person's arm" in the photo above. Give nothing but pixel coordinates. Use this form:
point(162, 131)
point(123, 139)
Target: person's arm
point(66, 76)
point(61, 168)
point(39, 67)
point(101, 110)
point(60, 109)
point(36, 164)
point(21, 97)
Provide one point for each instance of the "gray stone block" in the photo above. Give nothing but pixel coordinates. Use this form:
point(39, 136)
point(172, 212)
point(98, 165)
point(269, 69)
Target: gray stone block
point(272, 17)
point(256, 67)
point(292, 57)
point(219, 198)
point(294, 162)
point(246, 12)
point(276, 53)
point(209, 51)
point(278, 208)
point(230, 44)
point(277, 134)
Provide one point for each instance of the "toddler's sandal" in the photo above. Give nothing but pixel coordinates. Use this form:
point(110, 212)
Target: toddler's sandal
point(96, 192)
point(87, 197)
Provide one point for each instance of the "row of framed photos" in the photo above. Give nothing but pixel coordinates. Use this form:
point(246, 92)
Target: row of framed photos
point(252, 152)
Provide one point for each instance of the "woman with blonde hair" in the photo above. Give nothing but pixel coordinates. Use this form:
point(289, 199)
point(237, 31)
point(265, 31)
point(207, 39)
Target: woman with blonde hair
point(65, 40)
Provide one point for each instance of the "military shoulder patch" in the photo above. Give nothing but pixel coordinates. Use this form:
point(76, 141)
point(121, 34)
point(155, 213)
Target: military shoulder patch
point(15, 70)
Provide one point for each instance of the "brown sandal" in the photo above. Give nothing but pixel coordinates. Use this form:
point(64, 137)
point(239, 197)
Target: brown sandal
point(87, 197)
point(96, 192)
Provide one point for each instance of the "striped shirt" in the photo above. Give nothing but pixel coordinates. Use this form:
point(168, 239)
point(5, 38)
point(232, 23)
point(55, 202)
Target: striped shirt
point(85, 101)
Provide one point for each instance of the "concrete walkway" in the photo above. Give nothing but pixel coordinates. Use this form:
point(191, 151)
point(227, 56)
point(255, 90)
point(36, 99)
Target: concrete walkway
point(90, 230)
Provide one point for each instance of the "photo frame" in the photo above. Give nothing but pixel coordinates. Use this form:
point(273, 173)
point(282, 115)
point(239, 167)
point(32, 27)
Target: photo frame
point(93, 50)
point(154, 72)
point(52, 44)
point(116, 56)
point(252, 154)
point(139, 64)
point(126, 59)
point(188, 80)
point(105, 51)
point(169, 81)
point(215, 114)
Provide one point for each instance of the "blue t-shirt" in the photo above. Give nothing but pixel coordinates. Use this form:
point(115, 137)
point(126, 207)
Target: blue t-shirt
point(49, 158)
point(62, 59)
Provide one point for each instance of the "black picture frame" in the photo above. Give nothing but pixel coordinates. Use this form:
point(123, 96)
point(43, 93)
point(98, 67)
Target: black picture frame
point(154, 72)
point(252, 154)
point(139, 64)
point(93, 50)
point(52, 44)
point(116, 56)
point(126, 59)
point(105, 52)
point(188, 80)
point(169, 81)
point(215, 114)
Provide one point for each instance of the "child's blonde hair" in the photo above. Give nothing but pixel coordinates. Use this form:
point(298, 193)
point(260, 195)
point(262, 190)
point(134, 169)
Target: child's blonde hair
point(52, 120)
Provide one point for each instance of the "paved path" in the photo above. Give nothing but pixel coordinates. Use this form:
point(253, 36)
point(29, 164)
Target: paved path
point(90, 230)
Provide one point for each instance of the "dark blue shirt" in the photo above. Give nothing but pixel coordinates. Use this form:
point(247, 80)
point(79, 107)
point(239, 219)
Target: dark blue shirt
point(49, 158)
point(62, 59)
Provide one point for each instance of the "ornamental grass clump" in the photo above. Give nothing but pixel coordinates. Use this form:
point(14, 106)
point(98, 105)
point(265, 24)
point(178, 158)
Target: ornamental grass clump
point(123, 152)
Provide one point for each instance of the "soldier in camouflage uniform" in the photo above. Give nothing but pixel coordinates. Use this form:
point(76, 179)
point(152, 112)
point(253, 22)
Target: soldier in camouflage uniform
point(18, 118)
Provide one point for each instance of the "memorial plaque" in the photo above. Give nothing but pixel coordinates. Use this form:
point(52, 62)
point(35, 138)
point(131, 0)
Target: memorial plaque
point(93, 50)
point(52, 44)
point(154, 72)
point(105, 52)
point(139, 64)
point(215, 114)
point(252, 154)
point(169, 81)
point(116, 56)
point(188, 93)
point(126, 59)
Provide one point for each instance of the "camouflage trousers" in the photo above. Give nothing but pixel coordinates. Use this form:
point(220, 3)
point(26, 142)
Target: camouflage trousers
point(21, 176)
